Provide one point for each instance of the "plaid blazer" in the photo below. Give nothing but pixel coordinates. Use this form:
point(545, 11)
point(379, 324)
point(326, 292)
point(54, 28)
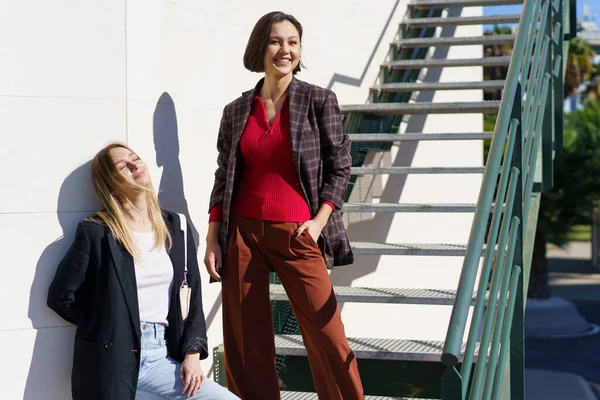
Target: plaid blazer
point(321, 154)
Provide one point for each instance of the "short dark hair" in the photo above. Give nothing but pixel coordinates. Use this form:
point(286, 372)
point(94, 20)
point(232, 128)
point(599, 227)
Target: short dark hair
point(254, 56)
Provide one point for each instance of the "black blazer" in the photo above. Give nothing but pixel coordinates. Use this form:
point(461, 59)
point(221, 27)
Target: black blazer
point(95, 289)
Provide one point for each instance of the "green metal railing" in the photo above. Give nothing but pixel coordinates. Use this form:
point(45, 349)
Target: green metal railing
point(519, 165)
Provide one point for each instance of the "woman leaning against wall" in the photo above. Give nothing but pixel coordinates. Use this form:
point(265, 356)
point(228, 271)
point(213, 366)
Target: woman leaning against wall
point(120, 282)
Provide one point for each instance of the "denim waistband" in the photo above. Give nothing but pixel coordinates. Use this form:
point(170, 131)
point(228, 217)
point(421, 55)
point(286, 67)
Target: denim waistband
point(151, 330)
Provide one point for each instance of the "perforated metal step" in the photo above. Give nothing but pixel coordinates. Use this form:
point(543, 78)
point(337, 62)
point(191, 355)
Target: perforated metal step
point(344, 294)
point(313, 396)
point(378, 349)
point(408, 249)
point(433, 4)
point(456, 41)
point(409, 208)
point(430, 86)
point(415, 170)
point(479, 20)
point(502, 61)
point(388, 137)
point(472, 107)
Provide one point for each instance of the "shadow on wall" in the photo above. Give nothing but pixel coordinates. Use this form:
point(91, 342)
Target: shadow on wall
point(377, 229)
point(50, 369)
point(171, 194)
point(348, 80)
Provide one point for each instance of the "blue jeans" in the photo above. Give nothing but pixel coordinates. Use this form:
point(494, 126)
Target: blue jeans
point(159, 373)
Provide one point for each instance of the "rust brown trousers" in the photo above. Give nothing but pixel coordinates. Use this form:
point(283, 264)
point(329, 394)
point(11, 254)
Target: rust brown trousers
point(254, 248)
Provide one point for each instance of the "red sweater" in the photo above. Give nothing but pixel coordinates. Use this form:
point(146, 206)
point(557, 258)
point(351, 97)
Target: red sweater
point(269, 188)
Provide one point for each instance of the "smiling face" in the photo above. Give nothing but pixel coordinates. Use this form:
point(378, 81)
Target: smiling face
point(282, 54)
point(130, 166)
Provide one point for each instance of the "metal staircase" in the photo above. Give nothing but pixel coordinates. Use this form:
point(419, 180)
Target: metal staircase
point(529, 126)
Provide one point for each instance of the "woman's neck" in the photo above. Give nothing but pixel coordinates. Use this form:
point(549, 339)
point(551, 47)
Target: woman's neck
point(136, 211)
point(274, 87)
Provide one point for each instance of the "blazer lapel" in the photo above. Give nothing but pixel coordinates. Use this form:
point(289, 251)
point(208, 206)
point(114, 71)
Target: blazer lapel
point(124, 268)
point(176, 254)
point(298, 107)
point(241, 114)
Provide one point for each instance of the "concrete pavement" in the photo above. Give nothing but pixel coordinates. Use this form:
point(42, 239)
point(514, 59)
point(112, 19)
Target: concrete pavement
point(559, 368)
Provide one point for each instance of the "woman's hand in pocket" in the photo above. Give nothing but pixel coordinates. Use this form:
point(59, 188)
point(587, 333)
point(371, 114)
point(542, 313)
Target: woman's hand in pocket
point(312, 227)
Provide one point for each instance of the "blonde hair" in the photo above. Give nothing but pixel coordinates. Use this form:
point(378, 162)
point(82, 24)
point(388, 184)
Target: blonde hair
point(110, 186)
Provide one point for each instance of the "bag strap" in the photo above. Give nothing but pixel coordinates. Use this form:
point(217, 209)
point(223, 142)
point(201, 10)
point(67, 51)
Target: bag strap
point(183, 225)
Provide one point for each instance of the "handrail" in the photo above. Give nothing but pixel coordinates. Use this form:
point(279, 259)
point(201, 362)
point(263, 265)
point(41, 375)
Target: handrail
point(458, 320)
point(529, 107)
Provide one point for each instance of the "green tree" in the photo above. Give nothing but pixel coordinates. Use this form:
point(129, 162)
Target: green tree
point(576, 164)
point(576, 187)
point(494, 73)
point(498, 72)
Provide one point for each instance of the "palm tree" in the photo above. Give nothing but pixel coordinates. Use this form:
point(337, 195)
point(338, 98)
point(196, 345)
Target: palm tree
point(579, 65)
point(593, 89)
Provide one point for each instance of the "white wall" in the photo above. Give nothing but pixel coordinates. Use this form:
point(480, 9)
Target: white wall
point(77, 74)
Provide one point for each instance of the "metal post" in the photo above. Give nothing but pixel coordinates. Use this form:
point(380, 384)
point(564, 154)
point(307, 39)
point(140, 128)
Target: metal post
point(374, 93)
point(385, 75)
point(548, 124)
point(452, 384)
point(595, 233)
point(516, 386)
point(395, 51)
point(572, 20)
point(558, 86)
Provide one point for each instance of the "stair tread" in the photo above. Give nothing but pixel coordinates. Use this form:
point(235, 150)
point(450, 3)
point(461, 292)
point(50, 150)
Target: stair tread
point(440, 246)
point(409, 207)
point(423, 108)
point(391, 137)
point(288, 395)
point(452, 62)
point(409, 249)
point(415, 170)
point(429, 4)
point(421, 86)
point(481, 19)
point(345, 294)
point(372, 348)
point(452, 40)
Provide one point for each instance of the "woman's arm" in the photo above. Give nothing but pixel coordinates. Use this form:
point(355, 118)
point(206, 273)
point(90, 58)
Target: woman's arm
point(335, 151)
point(213, 255)
point(69, 277)
point(223, 146)
point(194, 331)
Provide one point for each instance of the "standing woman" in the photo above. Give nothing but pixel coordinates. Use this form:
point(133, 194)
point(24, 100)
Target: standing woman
point(283, 169)
point(119, 283)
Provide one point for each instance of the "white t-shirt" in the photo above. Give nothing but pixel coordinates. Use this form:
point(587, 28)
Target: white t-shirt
point(154, 276)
